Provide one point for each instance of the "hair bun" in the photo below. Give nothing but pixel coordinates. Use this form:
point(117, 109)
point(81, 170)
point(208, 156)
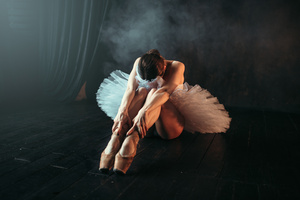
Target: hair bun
point(153, 52)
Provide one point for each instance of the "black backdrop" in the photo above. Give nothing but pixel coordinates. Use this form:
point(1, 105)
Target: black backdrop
point(245, 52)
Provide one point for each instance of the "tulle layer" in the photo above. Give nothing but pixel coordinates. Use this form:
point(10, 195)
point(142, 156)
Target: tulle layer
point(111, 91)
point(202, 111)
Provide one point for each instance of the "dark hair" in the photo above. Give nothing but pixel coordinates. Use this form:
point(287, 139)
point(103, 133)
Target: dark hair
point(151, 65)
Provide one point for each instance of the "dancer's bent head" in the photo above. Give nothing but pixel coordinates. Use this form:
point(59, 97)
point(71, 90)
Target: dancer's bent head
point(151, 65)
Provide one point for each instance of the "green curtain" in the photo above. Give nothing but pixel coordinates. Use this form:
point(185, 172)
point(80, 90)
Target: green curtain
point(69, 40)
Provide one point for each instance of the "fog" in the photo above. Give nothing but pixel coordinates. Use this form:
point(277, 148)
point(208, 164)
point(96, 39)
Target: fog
point(134, 26)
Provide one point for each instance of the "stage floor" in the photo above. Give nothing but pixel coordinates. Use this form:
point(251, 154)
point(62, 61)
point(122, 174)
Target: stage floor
point(53, 153)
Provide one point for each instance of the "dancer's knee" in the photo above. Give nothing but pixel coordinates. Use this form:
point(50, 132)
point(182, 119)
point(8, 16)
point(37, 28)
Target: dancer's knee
point(142, 93)
point(152, 91)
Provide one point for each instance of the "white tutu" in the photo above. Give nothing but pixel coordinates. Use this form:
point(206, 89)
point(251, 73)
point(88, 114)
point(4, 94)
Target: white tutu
point(202, 112)
point(111, 91)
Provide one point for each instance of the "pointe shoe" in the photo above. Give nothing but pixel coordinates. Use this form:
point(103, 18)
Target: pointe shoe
point(108, 155)
point(106, 162)
point(123, 162)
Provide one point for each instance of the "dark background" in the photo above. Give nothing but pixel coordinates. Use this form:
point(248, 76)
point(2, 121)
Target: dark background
point(244, 52)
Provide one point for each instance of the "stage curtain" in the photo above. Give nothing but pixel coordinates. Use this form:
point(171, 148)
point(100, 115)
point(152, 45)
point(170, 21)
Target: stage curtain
point(69, 39)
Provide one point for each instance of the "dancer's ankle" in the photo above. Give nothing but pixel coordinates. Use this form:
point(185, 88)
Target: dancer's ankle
point(129, 145)
point(124, 130)
point(113, 145)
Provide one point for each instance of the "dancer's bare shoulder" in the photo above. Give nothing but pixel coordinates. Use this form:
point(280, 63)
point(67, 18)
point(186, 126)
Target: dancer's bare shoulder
point(179, 66)
point(175, 70)
point(177, 63)
point(136, 62)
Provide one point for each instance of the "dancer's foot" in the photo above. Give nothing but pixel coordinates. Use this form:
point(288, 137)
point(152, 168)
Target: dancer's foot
point(108, 155)
point(125, 156)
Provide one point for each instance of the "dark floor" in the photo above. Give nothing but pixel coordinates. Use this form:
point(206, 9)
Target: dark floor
point(53, 153)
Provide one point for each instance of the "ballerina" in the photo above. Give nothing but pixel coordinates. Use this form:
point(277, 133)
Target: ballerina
point(154, 100)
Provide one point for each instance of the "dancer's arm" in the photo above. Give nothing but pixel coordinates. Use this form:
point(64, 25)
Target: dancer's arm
point(159, 97)
point(122, 117)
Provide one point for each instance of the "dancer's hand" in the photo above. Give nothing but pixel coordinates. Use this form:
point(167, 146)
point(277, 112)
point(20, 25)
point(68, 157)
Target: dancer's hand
point(139, 124)
point(120, 120)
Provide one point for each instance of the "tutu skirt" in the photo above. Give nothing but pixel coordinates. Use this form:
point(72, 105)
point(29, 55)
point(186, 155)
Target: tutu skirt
point(202, 112)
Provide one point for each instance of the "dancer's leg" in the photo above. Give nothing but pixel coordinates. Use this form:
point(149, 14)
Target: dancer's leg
point(170, 123)
point(128, 149)
point(162, 116)
point(113, 146)
point(127, 146)
point(137, 103)
point(135, 106)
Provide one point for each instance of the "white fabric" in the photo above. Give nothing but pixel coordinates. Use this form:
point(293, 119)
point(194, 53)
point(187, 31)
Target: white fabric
point(111, 91)
point(144, 83)
point(202, 112)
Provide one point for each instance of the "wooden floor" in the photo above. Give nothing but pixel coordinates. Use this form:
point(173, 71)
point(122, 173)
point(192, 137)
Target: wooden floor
point(53, 153)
